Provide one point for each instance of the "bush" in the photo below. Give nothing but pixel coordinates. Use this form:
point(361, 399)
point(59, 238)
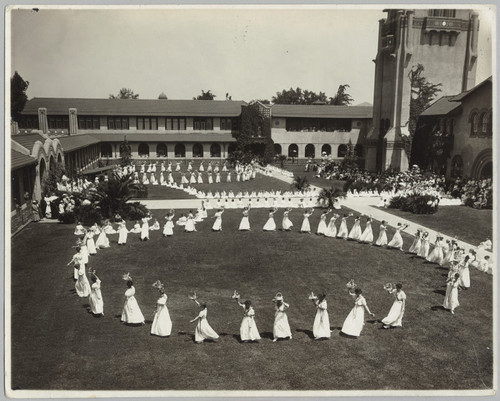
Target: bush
point(139, 191)
point(88, 215)
point(417, 204)
point(135, 211)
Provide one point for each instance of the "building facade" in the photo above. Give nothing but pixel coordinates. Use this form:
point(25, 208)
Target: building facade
point(444, 42)
point(466, 122)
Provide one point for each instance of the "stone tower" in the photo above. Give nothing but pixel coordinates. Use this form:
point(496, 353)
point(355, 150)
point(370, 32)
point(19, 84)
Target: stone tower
point(444, 41)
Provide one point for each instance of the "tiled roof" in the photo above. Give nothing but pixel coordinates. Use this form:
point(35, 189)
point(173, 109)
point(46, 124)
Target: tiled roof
point(133, 137)
point(136, 107)
point(28, 140)
point(74, 142)
point(19, 160)
point(462, 95)
point(441, 107)
point(321, 111)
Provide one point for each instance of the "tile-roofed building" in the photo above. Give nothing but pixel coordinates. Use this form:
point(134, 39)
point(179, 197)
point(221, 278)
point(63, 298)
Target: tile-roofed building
point(18, 160)
point(443, 105)
point(321, 111)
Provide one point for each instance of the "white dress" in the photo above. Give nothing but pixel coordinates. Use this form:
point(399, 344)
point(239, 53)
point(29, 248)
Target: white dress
point(286, 223)
point(367, 235)
point(321, 325)
point(245, 222)
point(331, 229)
point(162, 325)
point(217, 226)
point(82, 285)
point(382, 236)
point(417, 243)
point(203, 330)
point(91, 244)
point(122, 233)
point(131, 312)
point(145, 228)
point(95, 299)
point(395, 316)
point(355, 233)
point(397, 240)
point(436, 256)
point(190, 224)
point(102, 240)
point(424, 248)
point(306, 227)
point(464, 280)
point(270, 224)
point(136, 229)
point(79, 230)
point(281, 328)
point(343, 233)
point(322, 225)
point(248, 328)
point(168, 229)
point(451, 297)
point(354, 322)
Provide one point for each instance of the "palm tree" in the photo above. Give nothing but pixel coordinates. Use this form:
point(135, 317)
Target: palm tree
point(300, 183)
point(330, 195)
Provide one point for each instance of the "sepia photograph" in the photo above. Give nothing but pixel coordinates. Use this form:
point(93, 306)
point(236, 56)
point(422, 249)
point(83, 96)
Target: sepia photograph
point(270, 200)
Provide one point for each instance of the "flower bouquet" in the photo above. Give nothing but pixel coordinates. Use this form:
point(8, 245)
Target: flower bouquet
point(127, 277)
point(235, 295)
point(351, 284)
point(388, 287)
point(91, 271)
point(193, 297)
point(312, 296)
point(158, 285)
point(278, 297)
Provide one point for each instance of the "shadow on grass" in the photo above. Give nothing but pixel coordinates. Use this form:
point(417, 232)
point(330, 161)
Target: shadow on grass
point(267, 334)
point(238, 338)
point(437, 308)
point(308, 333)
point(341, 334)
point(440, 292)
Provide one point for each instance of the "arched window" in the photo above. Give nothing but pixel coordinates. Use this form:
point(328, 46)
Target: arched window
point(358, 150)
point(293, 150)
point(59, 158)
point(457, 166)
point(486, 170)
point(215, 150)
point(197, 150)
point(52, 163)
point(143, 150)
point(342, 150)
point(277, 149)
point(484, 123)
point(180, 150)
point(310, 151)
point(231, 148)
point(490, 124)
point(161, 150)
point(106, 150)
point(474, 120)
point(327, 149)
point(42, 169)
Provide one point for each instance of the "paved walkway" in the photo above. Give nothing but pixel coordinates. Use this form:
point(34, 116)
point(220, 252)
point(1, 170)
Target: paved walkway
point(362, 205)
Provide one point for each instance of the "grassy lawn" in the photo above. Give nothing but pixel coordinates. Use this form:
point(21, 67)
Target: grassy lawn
point(468, 224)
point(56, 344)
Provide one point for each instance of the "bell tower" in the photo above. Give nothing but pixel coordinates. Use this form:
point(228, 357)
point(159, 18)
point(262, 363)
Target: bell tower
point(444, 41)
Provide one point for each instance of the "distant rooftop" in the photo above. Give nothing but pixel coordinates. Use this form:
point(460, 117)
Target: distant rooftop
point(321, 111)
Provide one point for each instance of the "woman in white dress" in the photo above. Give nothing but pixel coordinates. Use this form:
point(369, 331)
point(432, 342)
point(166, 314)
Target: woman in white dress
point(343, 232)
point(281, 327)
point(82, 285)
point(417, 243)
point(397, 240)
point(79, 229)
point(321, 230)
point(168, 229)
point(122, 232)
point(217, 226)
point(77, 261)
point(162, 324)
point(102, 240)
point(190, 223)
point(306, 226)
point(137, 228)
point(286, 224)
point(245, 222)
point(424, 248)
point(248, 328)
point(367, 235)
point(200, 178)
point(209, 168)
point(355, 233)
point(463, 270)
point(184, 180)
point(436, 256)
point(95, 299)
point(382, 235)
point(131, 313)
point(145, 228)
point(210, 178)
point(89, 239)
point(155, 226)
point(451, 296)
point(203, 330)
point(270, 224)
point(217, 178)
point(331, 229)
point(395, 316)
point(190, 166)
point(228, 179)
point(202, 168)
point(321, 325)
point(192, 179)
point(355, 321)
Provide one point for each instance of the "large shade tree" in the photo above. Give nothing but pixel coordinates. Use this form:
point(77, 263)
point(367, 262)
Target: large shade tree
point(18, 97)
point(125, 93)
point(208, 95)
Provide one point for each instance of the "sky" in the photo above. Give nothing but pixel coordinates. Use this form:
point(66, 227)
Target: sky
point(250, 53)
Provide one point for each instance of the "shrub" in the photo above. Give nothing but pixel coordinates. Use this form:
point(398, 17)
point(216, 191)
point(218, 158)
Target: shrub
point(134, 211)
point(88, 215)
point(417, 204)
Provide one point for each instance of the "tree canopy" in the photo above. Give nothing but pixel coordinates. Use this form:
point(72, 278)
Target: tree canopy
point(300, 96)
point(125, 93)
point(208, 95)
point(18, 97)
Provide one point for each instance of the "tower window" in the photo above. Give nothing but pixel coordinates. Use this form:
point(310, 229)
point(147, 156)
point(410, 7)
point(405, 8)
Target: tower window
point(445, 13)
